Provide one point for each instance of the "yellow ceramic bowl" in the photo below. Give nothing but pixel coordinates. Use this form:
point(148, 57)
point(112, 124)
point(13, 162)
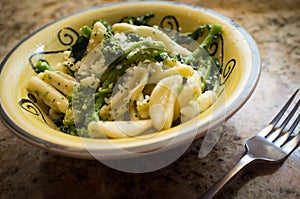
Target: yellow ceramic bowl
point(18, 110)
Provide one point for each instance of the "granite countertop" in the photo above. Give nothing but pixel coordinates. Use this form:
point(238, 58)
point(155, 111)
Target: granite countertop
point(29, 172)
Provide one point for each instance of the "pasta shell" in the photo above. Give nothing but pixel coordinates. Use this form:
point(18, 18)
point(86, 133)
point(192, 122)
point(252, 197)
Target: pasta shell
point(162, 102)
point(97, 35)
point(48, 94)
point(133, 83)
point(190, 90)
point(206, 100)
point(198, 105)
point(58, 81)
point(156, 34)
point(181, 69)
point(118, 129)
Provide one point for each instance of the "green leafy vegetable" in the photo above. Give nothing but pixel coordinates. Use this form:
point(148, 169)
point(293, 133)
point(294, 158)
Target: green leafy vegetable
point(79, 48)
point(138, 52)
point(186, 38)
point(140, 20)
point(42, 65)
point(204, 46)
point(86, 31)
point(82, 110)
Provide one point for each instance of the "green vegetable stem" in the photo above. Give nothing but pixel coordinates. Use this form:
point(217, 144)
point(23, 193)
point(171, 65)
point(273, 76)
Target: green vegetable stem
point(138, 52)
point(213, 34)
point(42, 65)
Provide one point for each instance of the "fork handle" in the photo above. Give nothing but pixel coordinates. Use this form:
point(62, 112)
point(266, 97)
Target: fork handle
point(246, 159)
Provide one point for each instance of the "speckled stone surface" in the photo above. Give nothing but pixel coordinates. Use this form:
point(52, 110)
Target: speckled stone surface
point(29, 172)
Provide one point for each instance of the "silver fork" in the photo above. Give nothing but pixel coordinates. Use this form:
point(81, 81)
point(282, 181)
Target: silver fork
point(272, 144)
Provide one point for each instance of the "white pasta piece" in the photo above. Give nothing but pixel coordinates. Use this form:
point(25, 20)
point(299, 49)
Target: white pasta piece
point(181, 69)
point(97, 36)
point(48, 94)
point(206, 100)
point(198, 105)
point(132, 83)
point(117, 129)
point(156, 34)
point(60, 67)
point(162, 102)
point(190, 110)
point(66, 76)
point(58, 81)
point(192, 89)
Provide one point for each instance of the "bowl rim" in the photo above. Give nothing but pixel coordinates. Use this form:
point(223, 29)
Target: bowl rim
point(235, 105)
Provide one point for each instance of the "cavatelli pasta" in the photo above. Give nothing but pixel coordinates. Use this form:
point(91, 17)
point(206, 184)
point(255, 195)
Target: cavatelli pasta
point(58, 81)
point(156, 34)
point(97, 36)
point(48, 94)
point(118, 129)
point(162, 101)
point(131, 80)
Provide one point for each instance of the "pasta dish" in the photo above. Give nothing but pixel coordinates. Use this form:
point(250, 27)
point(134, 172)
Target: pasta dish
point(129, 78)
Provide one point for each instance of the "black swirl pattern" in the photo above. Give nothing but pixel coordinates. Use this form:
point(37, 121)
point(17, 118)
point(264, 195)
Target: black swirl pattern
point(67, 36)
point(170, 22)
point(31, 58)
point(213, 49)
point(227, 70)
point(30, 105)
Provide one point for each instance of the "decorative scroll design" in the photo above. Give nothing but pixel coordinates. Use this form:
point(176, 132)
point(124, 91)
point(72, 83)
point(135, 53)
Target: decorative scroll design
point(30, 105)
point(229, 66)
point(213, 49)
point(170, 22)
point(227, 70)
point(31, 57)
point(66, 36)
point(222, 50)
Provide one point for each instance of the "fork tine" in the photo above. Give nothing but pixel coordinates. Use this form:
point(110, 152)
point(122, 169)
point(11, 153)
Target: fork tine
point(281, 140)
point(274, 135)
point(265, 131)
point(291, 144)
point(276, 119)
point(282, 111)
